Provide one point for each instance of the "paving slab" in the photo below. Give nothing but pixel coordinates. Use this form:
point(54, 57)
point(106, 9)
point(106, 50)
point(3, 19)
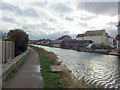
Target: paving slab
point(58, 68)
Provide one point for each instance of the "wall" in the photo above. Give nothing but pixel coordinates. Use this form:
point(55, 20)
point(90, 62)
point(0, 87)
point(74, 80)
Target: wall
point(98, 39)
point(118, 40)
point(95, 39)
point(0, 61)
point(111, 42)
point(79, 38)
point(119, 30)
point(0, 51)
point(105, 39)
point(56, 45)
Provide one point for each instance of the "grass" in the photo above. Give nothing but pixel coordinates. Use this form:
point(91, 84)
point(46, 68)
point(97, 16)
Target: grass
point(51, 80)
point(55, 80)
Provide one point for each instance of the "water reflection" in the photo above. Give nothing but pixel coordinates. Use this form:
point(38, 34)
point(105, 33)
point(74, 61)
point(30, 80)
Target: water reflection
point(95, 69)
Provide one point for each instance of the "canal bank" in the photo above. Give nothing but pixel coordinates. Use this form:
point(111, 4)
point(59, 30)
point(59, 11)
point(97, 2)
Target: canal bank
point(99, 51)
point(94, 69)
point(58, 79)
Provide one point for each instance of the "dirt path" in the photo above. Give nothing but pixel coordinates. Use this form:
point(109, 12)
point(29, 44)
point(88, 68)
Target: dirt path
point(29, 75)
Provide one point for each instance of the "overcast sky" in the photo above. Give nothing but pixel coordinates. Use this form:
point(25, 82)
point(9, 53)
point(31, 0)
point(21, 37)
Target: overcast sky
point(52, 18)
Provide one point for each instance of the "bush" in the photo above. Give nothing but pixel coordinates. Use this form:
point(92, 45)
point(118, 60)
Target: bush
point(20, 38)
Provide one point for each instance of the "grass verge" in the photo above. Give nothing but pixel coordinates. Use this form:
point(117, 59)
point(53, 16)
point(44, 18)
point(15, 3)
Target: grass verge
point(55, 80)
point(51, 80)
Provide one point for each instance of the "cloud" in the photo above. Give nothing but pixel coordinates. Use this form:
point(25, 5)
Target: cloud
point(54, 19)
point(87, 18)
point(69, 18)
point(52, 36)
point(40, 4)
point(105, 8)
point(8, 19)
point(61, 8)
point(30, 12)
point(112, 23)
point(83, 24)
point(112, 32)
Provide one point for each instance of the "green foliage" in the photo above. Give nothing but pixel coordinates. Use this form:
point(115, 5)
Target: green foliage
point(20, 38)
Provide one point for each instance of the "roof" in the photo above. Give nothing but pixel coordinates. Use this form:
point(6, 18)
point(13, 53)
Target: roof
point(95, 33)
point(76, 41)
point(63, 37)
point(109, 36)
point(118, 37)
point(80, 35)
point(55, 42)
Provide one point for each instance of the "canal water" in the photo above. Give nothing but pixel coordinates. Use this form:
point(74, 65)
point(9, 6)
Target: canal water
point(94, 69)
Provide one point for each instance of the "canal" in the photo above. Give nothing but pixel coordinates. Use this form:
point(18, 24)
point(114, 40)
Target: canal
point(94, 69)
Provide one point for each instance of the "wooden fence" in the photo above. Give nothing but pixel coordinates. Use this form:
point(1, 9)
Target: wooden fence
point(7, 49)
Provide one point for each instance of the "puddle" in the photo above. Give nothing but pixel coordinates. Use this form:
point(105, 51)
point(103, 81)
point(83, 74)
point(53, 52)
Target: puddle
point(37, 68)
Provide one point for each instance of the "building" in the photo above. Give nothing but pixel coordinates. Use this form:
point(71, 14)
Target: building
point(55, 43)
point(75, 44)
point(0, 36)
point(118, 36)
point(80, 37)
point(97, 36)
point(0, 48)
point(65, 38)
point(111, 41)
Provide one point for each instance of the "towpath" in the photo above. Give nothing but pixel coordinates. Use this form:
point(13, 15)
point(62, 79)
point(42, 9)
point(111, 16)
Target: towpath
point(29, 75)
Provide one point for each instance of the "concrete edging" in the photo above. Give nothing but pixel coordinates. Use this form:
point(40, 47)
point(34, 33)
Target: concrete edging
point(6, 68)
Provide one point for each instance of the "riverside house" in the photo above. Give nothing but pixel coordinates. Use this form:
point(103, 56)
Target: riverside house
point(55, 43)
point(111, 41)
point(65, 38)
point(118, 37)
point(1, 48)
point(75, 44)
point(97, 36)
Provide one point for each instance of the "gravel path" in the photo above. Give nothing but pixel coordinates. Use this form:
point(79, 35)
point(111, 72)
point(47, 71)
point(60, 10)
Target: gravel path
point(29, 75)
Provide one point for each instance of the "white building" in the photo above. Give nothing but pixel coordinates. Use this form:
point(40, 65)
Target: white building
point(80, 37)
point(0, 48)
point(97, 36)
point(110, 41)
point(118, 36)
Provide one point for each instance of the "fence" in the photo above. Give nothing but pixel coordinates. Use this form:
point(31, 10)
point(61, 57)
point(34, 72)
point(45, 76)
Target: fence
point(8, 67)
point(8, 50)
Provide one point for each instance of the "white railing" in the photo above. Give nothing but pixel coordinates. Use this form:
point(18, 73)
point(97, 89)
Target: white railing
point(6, 68)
